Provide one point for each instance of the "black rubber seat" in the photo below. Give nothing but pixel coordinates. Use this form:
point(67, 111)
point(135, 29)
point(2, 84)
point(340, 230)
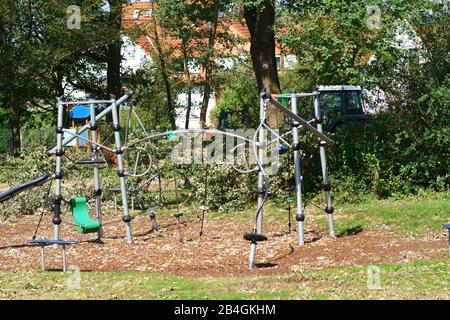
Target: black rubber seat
point(251, 236)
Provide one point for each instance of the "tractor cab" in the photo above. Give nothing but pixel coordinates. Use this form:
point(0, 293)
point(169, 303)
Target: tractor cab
point(341, 104)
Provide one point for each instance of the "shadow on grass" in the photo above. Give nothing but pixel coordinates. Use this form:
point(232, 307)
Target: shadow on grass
point(351, 231)
point(271, 263)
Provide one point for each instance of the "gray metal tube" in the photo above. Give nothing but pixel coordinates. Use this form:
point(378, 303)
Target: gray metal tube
point(88, 102)
point(58, 171)
point(42, 258)
point(64, 257)
point(259, 221)
point(121, 172)
point(300, 217)
point(304, 124)
point(323, 161)
point(97, 192)
point(261, 146)
point(251, 259)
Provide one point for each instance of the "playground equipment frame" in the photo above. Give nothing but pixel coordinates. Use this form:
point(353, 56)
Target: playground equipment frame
point(297, 123)
point(258, 143)
point(59, 152)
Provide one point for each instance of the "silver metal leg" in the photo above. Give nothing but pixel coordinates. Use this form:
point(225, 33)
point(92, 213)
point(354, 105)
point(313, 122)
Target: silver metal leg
point(56, 232)
point(323, 161)
point(115, 203)
point(121, 172)
point(64, 258)
point(58, 171)
point(98, 199)
point(300, 217)
point(43, 258)
point(259, 221)
point(251, 260)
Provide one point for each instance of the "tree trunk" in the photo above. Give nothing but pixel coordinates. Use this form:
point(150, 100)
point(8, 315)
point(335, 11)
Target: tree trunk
point(187, 74)
point(114, 84)
point(260, 23)
point(209, 67)
point(15, 124)
point(164, 73)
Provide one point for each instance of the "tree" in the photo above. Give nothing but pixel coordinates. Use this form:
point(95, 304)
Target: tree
point(114, 55)
point(16, 42)
point(43, 58)
point(260, 19)
point(209, 61)
point(180, 19)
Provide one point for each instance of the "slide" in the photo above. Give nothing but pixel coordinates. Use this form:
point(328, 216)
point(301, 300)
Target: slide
point(24, 186)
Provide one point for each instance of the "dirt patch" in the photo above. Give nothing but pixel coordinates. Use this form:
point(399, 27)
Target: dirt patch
point(221, 251)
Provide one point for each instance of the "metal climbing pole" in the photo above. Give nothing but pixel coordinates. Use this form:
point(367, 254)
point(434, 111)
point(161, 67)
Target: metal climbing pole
point(95, 158)
point(260, 190)
point(323, 161)
point(58, 170)
point(261, 147)
point(121, 170)
point(300, 217)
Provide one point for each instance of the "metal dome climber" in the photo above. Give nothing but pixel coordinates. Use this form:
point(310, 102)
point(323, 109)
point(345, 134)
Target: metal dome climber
point(257, 145)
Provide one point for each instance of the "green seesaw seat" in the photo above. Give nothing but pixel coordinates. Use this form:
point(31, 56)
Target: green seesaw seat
point(82, 218)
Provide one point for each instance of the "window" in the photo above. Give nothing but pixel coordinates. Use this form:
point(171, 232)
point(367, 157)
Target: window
point(330, 104)
point(278, 58)
point(352, 103)
point(136, 14)
point(335, 104)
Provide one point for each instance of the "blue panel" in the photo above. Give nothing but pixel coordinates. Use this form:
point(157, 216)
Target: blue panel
point(80, 112)
point(68, 135)
point(82, 142)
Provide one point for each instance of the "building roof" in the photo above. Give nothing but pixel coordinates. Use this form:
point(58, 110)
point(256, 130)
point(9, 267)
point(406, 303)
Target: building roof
point(138, 15)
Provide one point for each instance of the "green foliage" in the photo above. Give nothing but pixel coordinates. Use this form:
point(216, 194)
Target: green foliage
point(405, 145)
point(43, 59)
point(150, 97)
point(78, 180)
point(238, 98)
point(227, 190)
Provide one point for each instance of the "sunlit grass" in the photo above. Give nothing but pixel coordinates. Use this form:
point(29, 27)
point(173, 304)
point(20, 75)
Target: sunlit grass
point(412, 280)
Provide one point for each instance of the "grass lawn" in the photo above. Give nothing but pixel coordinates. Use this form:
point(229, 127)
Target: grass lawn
point(410, 216)
point(413, 280)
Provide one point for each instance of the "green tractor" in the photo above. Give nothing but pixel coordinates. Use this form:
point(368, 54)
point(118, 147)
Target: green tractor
point(341, 104)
